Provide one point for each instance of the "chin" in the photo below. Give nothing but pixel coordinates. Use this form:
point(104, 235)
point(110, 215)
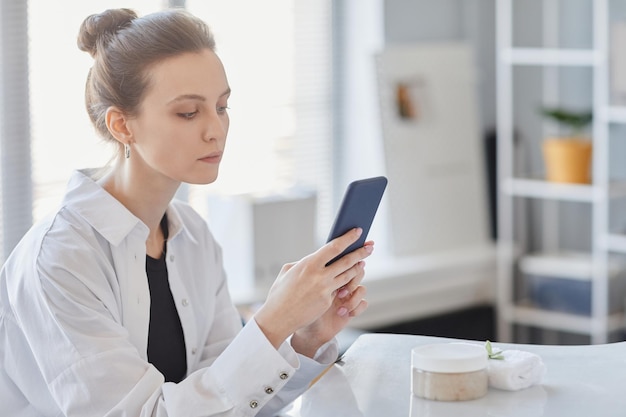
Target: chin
point(202, 179)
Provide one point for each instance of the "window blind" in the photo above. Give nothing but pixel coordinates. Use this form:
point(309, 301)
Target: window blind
point(15, 187)
point(278, 58)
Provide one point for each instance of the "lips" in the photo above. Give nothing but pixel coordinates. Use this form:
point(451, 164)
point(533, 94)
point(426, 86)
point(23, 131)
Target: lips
point(212, 158)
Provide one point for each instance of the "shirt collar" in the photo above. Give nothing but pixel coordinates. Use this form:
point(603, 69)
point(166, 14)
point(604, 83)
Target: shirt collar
point(87, 198)
point(175, 223)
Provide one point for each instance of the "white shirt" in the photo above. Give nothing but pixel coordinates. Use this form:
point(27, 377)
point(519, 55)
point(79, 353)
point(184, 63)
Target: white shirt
point(74, 315)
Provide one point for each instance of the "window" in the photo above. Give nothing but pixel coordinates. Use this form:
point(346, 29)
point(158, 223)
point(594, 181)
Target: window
point(277, 54)
point(63, 138)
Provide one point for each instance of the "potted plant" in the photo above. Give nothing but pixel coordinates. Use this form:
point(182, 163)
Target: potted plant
point(568, 158)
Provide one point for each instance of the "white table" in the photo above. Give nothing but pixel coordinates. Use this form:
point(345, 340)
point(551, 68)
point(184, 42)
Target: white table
point(373, 379)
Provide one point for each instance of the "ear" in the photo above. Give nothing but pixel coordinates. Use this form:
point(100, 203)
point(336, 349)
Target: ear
point(117, 124)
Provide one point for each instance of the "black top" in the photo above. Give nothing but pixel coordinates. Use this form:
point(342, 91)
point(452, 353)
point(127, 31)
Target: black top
point(166, 341)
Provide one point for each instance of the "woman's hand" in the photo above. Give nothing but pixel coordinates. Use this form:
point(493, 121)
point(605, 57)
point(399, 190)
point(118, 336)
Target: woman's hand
point(308, 295)
point(349, 301)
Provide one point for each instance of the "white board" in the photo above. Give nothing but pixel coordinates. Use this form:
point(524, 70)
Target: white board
point(433, 147)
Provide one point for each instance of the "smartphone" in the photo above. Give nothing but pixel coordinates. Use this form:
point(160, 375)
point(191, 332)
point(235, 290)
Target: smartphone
point(357, 209)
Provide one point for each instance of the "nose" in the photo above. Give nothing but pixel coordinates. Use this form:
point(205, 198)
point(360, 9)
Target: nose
point(216, 127)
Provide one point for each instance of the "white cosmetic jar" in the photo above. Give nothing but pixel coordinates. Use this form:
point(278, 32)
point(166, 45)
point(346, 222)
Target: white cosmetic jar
point(449, 371)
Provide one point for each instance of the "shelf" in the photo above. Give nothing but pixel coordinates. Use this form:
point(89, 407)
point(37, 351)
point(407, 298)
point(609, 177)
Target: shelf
point(615, 114)
point(615, 243)
point(546, 56)
point(531, 316)
point(534, 188)
point(598, 194)
point(522, 187)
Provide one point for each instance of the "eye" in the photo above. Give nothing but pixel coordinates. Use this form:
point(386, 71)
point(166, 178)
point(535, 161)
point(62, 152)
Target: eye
point(187, 116)
point(222, 109)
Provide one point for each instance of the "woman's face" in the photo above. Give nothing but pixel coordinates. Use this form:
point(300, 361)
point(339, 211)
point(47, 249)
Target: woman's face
point(180, 130)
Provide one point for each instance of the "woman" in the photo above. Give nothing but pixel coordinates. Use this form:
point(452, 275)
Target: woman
point(117, 304)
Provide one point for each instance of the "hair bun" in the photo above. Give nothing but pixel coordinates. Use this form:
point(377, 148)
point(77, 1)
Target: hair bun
point(99, 28)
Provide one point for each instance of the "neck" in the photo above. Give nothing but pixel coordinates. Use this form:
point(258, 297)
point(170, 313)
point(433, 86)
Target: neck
point(146, 198)
point(155, 244)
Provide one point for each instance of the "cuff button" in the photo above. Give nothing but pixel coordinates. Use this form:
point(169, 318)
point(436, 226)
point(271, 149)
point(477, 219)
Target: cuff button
point(284, 375)
point(254, 404)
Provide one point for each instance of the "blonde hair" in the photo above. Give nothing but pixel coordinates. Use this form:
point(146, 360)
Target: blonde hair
point(124, 46)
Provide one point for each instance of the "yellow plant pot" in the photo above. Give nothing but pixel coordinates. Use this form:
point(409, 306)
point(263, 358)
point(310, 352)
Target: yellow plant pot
point(567, 160)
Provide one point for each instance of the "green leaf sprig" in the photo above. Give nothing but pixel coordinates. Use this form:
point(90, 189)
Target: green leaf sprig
point(575, 121)
point(493, 355)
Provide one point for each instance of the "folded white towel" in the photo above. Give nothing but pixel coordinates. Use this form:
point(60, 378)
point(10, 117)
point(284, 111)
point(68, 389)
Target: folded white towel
point(518, 370)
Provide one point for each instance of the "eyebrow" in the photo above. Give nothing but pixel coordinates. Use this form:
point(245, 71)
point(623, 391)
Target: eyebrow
point(195, 97)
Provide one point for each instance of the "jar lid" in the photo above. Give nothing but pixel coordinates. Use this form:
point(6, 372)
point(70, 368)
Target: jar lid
point(449, 357)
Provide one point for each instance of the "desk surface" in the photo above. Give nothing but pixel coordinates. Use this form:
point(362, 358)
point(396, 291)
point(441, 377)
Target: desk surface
point(373, 379)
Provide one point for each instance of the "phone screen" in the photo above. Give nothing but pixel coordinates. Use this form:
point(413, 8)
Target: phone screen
point(357, 209)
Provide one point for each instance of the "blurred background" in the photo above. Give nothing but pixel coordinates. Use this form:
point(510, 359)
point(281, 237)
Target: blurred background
point(473, 239)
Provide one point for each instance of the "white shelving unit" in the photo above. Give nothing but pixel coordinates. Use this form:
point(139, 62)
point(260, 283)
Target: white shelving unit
point(600, 323)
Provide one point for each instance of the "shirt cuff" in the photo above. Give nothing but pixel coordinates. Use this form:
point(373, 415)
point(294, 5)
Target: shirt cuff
point(325, 354)
point(310, 368)
point(251, 371)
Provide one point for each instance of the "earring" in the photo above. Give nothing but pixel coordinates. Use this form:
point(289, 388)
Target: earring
point(127, 150)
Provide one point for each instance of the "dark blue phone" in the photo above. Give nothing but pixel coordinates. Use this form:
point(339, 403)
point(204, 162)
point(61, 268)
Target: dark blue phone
point(358, 208)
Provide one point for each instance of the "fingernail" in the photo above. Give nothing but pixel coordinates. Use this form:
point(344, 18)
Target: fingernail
point(369, 248)
point(342, 311)
point(343, 293)
point(359, 231)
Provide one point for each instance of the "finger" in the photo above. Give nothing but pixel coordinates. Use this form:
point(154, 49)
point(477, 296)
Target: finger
point(359, 309)
point(351, 303)
point(336, 246)
point(347, 289)
point(287, 267)
point(343, 292)
point(352, 306)
point(351, 259)
point(343, 279)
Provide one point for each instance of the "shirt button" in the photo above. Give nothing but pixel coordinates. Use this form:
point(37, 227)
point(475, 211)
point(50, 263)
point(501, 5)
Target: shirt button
point(172, 258)
point(193, 351)
point(269, 390)
point(254, 404)
point(185, 302)
point(284, 375)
